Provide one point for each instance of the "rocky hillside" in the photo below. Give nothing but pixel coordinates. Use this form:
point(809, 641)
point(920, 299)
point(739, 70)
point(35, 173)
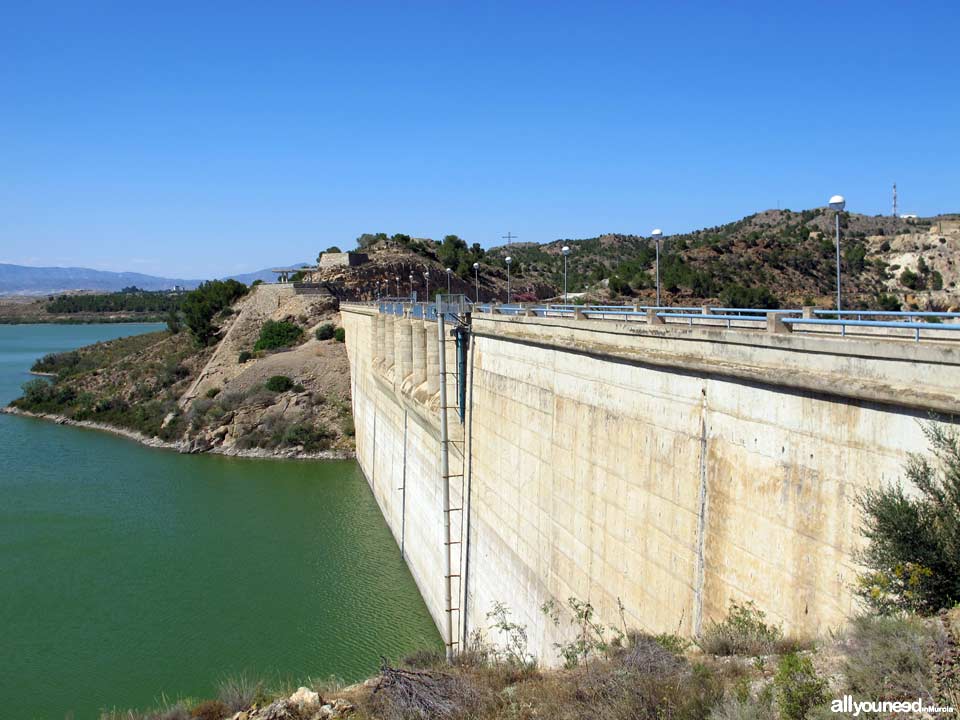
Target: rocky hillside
point(777, 256)
point(239, 394)
point(770, 258)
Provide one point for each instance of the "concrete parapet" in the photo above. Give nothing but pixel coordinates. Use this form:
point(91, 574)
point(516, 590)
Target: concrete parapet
point(775, 323)
point(653, 318)
point(808, 312)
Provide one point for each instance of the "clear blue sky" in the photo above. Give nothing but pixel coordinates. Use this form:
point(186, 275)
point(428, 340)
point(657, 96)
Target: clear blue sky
point(205, 138)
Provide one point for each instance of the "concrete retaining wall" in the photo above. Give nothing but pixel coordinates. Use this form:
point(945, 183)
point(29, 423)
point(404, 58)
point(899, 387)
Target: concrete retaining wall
point(668, 469)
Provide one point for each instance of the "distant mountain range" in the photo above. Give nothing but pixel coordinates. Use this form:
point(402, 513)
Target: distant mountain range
point(27, 280)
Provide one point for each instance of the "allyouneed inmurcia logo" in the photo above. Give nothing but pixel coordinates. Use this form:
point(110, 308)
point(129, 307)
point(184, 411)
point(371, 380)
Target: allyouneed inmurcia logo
point(848, 705)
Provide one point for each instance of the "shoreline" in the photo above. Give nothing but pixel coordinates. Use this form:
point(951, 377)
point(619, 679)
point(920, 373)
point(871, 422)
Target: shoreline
point(184, 448)
point(27, 320)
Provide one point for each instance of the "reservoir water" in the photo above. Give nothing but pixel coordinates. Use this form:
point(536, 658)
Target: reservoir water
point(128, 572)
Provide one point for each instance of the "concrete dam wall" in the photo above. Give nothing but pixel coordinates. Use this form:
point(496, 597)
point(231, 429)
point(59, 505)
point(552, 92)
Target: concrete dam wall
point(669, 469)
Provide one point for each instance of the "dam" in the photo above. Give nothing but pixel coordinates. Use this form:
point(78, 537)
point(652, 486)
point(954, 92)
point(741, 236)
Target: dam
point(656, 464)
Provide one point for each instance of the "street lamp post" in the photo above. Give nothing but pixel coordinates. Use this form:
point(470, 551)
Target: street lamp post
point(508, 260)
point(657, 234)
point(426, 279)
point(411, 287)
point(566, 251)
point(838, 203)
point(449, 273)
point(476, 277)
point(398, 285)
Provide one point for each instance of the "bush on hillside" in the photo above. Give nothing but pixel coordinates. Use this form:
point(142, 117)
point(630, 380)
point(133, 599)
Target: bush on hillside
point(244, 356)
point(279, 383)
point(890, 303)
point(909, 279)
point(277, 334)
point(913, 541)
point(340, 334)
point(737, 296)
point(201, 305)
point(799, 688)
point(325, 331)
point(311, 437)
point(37, 392)
point(743, 632)
point(57, 363)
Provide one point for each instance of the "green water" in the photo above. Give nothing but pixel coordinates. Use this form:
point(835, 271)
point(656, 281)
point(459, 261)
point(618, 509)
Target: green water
point(127, 572)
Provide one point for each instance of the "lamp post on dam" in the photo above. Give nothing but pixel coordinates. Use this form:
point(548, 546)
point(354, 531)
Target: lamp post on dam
point(838, 203)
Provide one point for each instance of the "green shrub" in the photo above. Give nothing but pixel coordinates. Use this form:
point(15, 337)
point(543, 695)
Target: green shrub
point(213, 392)
point(277, 334)
point(890, 303)
point(619, 286)
point(672, 643)
point(737, 296)
point(910, 279)
point(347, 427)
point(279, 383)
point(58, 363)
point(37, 392)
point(311, 437)
point(244, 356)
point(325, 331)
point(340, 334)
point(913, 541)
point(743, 632)
point(199, 306)
point(591, 637)
point(174, 325)
point(799, 688)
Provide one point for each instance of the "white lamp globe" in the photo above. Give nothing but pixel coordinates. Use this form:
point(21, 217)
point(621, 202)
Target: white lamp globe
point(837, 202)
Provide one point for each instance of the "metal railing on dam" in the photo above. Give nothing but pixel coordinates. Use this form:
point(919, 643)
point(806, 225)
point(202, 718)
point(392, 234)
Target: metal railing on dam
point(892, 325)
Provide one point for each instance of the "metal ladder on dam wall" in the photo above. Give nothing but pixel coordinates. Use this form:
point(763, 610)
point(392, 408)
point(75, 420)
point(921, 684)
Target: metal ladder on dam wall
point(453, 447)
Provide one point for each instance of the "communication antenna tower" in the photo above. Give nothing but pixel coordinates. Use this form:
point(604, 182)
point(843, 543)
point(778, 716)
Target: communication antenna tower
point(895, 200)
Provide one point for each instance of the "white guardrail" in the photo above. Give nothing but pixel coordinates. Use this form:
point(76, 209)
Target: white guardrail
point(915, 325)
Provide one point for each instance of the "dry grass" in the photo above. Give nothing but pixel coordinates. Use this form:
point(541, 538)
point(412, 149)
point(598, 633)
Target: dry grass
point(888, 657)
